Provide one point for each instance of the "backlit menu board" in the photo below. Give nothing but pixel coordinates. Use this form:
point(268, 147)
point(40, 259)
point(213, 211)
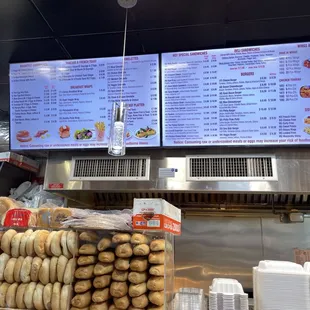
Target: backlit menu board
point(238, 96)
point(67, 104)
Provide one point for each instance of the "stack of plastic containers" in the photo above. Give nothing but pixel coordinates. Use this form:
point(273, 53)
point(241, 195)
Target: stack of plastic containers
point(190, 299)
point(280, 285)
point(227, 294)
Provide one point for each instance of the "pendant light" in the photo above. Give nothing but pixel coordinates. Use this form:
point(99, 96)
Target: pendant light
point(117, 140)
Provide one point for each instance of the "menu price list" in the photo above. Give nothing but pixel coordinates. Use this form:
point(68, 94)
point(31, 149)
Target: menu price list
point(238, 96)
point(67, 104)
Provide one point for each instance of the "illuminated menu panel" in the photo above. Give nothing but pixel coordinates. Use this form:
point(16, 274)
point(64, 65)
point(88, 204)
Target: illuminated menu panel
point(67, 104)
point(238, 96)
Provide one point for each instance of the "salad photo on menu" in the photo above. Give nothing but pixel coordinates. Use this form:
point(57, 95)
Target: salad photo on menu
point(83, 134)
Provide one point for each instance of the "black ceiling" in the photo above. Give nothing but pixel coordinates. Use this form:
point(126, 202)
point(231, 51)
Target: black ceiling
point(57, 29)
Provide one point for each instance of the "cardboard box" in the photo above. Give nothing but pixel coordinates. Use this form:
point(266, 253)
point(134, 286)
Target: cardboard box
point(156, 214)
point(20, 161)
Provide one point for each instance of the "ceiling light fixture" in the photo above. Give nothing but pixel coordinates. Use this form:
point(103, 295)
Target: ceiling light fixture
point(117, 140)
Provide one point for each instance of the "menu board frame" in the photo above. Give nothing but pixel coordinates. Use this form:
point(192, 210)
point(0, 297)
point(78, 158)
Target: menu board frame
point(139, 147)
point(244, 144)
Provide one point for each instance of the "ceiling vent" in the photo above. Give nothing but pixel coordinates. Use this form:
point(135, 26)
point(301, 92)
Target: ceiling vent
point(231, 168)
point(108, 169)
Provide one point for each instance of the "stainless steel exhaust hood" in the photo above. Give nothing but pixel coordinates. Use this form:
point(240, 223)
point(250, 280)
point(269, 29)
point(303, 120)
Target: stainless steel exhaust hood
point(210, 171)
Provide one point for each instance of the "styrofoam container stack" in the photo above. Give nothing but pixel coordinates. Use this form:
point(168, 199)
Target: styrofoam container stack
point(227, 294)
point(280, 285)
point(190, 298)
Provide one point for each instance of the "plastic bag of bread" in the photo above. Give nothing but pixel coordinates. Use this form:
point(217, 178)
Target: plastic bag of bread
point(139, 264)
point(137, 277)
point(81, 300)
point(44, 217)
point(122, 302)
point(20, 218)
point(7, 204)
point(157, 298)
point(140, 302)
point(156, 283)
point(136, 290)
point(58, 216)
point(101, 295)
point(119, 289)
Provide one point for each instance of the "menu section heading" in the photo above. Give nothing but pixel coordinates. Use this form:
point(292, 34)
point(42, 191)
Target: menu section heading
point(67, 104)
point(239, 96)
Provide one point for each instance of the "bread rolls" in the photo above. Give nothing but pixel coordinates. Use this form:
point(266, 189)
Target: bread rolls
point(88, 249)
point(139, 264)
point(154, 307)
point(119, 275)
point(64, 246)
point(69, 271)
point(65, 297)
point(157, 270)
point(6, 241)
point(82, 286)
point(119, 289)
point(121, 238)
point(39, 243)
point(10, 298)
point(122, 303)
point(35, 269)
point(48, 243)
point(56, 296)
point(136, 290)
point(61, 267)
point(156, 283)
point(123, 250)
point(17, 269)
point(53, 269)
point(140, 302)
point(89, 236)
point(15, 244)
point(157, 298)
point(20, 296)
point(38, 297)
point(9, 270)
point(100, 306)
point(30, 243)
point(26, 270)
point(47, 296)
point(85, 273)
point(23, 242)
point(44, 272)
point(106, 257)
point(28, 295)
point(157, 245)
point(104, 244)
point(137, 277)
point(81, 300)
point(56, 243)
point(73, 243)
point(101, 295)
point(122, 264)
point(87, 260)
point(4, 258)
point(157, 257)
point(3, 290)
point(103, 268)
point(139, 239)
point(102, 281)
point(141, 250)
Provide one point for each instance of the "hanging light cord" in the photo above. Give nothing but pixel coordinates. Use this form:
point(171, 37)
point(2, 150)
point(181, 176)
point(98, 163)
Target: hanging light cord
point(124, 52)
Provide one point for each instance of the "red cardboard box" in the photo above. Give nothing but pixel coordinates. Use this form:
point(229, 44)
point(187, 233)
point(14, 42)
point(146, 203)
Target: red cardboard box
point(156, 214)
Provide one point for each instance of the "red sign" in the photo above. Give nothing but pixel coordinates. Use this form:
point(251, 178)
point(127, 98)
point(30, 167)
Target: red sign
point(55, 185)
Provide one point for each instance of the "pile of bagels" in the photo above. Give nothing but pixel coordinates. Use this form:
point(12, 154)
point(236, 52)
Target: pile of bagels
point(123, 271)
point(37, 269)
